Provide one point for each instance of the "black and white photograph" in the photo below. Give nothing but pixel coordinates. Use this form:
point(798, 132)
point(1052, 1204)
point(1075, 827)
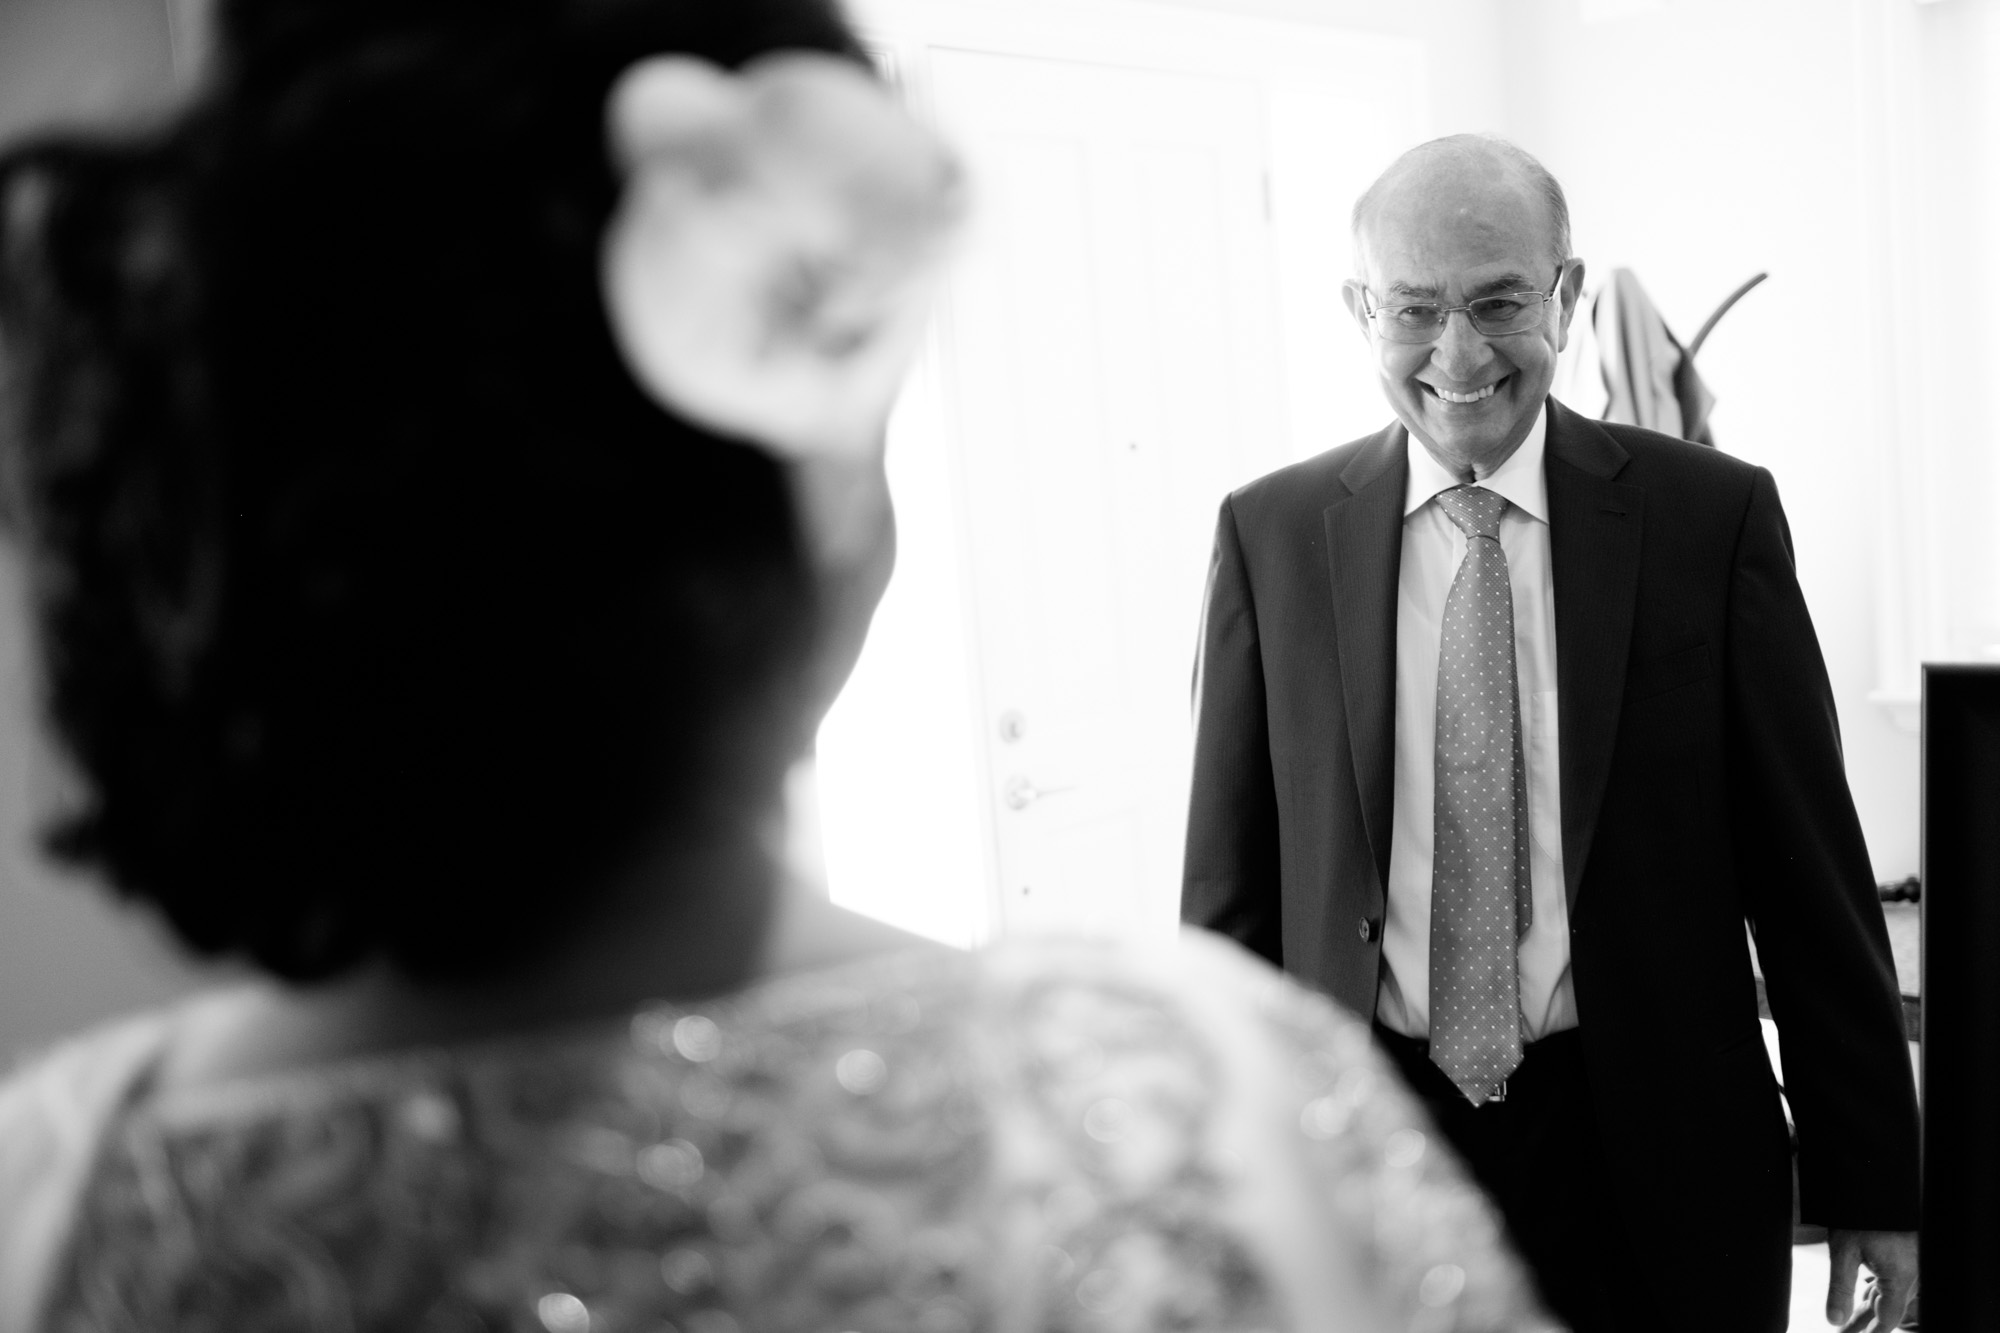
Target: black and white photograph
point(999, 666)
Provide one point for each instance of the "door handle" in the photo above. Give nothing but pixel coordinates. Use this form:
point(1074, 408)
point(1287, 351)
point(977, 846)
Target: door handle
point(1019, 793)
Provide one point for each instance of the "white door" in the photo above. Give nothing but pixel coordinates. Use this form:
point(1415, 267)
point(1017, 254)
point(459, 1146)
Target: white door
point(1110, 370)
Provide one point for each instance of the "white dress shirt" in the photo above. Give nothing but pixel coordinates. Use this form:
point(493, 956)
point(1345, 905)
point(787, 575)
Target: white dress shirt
point(1432, 549)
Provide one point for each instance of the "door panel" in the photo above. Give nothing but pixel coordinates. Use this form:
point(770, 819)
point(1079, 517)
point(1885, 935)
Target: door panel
point(1111, 369)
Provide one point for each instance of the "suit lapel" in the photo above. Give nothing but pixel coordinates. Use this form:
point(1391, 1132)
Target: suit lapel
point(1364, 549)
point(1595, 528)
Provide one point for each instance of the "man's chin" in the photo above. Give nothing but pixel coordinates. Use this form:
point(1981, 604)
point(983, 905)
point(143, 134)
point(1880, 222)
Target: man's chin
point(1461, 450)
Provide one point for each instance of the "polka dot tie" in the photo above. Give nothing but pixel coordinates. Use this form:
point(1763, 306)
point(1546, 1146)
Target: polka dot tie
point(1480, 900)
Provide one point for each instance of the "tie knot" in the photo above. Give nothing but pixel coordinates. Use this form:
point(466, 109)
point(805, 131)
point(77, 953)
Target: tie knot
point(1475, 509)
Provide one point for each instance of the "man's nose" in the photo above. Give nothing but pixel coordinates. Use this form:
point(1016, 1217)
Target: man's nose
point(1460, 350)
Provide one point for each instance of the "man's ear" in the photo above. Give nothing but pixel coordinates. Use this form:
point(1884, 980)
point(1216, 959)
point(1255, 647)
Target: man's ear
point(1572, 291)
point(1356, 300)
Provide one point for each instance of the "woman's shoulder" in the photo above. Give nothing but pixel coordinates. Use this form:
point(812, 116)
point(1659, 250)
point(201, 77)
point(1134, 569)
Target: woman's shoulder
point(54, 1108)
point(1293, 1130)
point(1206, 1134)
point(1078, 1134)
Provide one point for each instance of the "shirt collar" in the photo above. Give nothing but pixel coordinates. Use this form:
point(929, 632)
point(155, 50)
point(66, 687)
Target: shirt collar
point(1520, 478)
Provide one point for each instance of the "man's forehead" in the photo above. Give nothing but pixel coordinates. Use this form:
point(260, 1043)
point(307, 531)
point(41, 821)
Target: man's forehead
point(1457, 182)
point(1421, 248)
point(1440, 224)
point(1486, 280)
point(1472, 266)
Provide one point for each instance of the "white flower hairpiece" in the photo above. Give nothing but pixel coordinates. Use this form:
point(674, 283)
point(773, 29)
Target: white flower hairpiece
point(768, 269)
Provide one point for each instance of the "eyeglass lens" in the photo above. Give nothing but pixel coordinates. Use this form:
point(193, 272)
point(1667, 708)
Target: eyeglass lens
point(1490, 315)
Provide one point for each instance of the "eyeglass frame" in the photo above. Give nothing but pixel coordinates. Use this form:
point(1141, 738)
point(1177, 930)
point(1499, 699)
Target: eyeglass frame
point(1445, 312)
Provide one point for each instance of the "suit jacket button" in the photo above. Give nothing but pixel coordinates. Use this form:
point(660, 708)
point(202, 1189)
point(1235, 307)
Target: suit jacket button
point(1368, 930)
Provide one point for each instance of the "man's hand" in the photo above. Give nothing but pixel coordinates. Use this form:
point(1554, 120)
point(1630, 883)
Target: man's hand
point(1892, 1257)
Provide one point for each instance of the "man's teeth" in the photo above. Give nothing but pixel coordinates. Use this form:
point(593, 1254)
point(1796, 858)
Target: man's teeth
point(1451, 397)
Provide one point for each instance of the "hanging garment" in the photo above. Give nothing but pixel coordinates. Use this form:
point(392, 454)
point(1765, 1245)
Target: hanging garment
point(1643, 376)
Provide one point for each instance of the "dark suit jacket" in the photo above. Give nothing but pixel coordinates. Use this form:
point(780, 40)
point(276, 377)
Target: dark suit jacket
point(1702, 786)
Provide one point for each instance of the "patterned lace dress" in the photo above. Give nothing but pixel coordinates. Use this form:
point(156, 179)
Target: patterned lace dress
point(1070, 1138)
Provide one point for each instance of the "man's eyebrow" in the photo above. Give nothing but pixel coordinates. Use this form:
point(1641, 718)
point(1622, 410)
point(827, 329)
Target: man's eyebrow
point(1506, 282)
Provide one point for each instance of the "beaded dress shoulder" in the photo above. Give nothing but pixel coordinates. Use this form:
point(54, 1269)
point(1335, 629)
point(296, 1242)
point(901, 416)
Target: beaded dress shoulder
point(1038, 1137)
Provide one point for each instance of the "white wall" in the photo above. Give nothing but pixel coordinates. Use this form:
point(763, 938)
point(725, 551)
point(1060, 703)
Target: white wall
point(68, 954)
point(71, 59)
point(1701, 142)
point(1461, 40)
point(1932, 174)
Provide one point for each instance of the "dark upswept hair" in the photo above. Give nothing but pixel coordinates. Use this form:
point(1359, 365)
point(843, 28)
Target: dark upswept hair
point(382, 611)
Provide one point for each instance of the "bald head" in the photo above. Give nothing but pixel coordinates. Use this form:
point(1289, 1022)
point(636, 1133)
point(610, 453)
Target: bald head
point(1464, 292)
point(1467, 174)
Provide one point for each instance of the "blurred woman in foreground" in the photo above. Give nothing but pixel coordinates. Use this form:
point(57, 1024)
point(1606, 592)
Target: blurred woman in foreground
point(449, 457)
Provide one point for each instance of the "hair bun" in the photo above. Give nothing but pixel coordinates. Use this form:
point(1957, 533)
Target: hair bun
point(381, 611)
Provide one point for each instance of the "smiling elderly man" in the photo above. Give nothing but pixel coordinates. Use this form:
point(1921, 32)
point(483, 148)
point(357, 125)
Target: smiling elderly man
point(1506, 722)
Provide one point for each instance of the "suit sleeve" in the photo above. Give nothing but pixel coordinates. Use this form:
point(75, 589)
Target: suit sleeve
point(1811, 898)
point(1230, 881)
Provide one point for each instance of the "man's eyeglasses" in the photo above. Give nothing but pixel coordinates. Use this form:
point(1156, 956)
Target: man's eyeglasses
point(1424, 321)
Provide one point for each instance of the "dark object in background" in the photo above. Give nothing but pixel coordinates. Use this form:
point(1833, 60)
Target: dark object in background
point(1909, 889)
point(1961, 987)
point(1715, 316)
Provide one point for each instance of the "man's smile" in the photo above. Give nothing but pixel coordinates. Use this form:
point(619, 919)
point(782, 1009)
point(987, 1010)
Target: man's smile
point(1480, 394)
